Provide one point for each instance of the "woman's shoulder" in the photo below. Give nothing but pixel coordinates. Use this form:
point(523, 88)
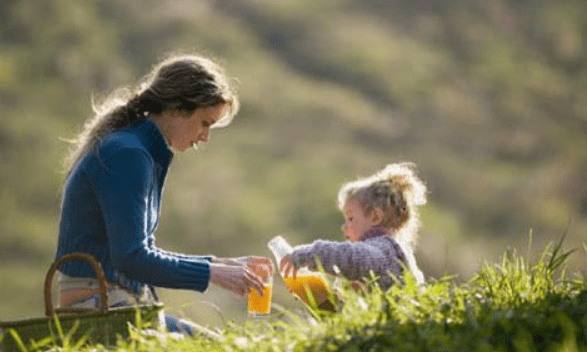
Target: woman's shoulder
point(119, 149)
point(123, 143)
point(120, 140)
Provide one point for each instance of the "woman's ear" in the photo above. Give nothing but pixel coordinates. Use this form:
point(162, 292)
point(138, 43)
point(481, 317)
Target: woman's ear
point(376, 216)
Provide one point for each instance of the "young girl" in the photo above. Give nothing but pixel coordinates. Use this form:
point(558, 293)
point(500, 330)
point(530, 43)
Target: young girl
point(381, 223)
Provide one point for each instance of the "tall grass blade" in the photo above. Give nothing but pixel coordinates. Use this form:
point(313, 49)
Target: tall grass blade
point(19, 342)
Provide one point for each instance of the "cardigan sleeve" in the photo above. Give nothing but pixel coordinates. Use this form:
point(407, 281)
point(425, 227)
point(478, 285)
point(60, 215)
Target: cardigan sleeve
point(353, 260)
point(123, 187)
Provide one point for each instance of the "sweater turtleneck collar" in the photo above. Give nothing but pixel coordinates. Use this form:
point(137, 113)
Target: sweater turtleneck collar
point(374, 232)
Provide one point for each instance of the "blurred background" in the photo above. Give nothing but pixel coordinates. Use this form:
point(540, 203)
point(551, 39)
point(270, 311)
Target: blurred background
point(487, 97)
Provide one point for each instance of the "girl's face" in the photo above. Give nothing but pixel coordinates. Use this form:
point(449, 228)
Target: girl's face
point(188, 131)
point(356, 222)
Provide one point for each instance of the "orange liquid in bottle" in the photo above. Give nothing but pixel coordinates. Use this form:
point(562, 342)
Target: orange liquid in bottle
point(258, 305)
point(315, 284)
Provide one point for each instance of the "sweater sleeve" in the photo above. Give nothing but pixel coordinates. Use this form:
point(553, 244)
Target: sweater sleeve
point(123, 188)
point(353, 260)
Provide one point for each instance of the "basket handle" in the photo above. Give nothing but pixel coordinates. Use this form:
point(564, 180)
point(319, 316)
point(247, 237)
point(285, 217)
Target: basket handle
point(99, 274)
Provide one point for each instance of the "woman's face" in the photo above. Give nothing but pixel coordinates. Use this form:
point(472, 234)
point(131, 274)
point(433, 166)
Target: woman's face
point(189, 131)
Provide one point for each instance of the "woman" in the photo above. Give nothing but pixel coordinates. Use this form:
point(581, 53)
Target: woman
point(116, 172)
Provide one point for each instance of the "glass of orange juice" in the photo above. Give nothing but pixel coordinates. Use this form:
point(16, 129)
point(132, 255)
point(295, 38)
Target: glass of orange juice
point(258, 305)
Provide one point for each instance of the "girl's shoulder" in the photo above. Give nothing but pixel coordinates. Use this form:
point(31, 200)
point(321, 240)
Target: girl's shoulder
point(381, 241)
point(386, 244)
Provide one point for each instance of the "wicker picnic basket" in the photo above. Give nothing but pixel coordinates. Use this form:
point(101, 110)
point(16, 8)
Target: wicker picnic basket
point(102, 326)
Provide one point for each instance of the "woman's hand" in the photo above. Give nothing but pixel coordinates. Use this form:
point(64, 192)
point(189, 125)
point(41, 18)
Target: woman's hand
point(251, 262)
point(286, 266)
point(235, 277)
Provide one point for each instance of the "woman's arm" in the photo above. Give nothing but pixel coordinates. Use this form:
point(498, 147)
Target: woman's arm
point(248, 261)
point(123, 187)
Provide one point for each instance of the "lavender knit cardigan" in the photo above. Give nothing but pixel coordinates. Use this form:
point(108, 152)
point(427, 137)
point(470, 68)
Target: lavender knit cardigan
point(375, 251)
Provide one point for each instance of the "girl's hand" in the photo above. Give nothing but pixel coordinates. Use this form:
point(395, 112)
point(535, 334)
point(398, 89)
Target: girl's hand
point(358, 286)
point(286, 266)
point(235, 277)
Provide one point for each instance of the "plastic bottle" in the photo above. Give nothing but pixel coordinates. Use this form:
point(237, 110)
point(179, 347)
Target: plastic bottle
point(280, 248)
point(310, 286)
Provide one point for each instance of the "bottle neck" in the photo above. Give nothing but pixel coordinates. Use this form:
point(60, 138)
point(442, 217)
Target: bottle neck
point(280, 248)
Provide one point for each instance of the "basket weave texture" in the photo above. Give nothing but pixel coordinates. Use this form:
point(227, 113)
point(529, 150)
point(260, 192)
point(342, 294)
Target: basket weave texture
point(103, 326)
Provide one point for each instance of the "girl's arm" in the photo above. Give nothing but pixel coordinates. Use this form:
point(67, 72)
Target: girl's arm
point(353, 260)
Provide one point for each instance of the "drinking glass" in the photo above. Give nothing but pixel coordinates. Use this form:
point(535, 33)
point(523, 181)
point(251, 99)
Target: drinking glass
point(258, 305)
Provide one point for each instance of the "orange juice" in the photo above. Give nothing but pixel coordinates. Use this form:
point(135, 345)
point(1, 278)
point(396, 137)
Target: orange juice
point(260, 305)
point(312, 282)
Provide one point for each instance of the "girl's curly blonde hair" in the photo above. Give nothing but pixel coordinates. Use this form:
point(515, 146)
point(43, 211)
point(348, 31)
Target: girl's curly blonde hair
point(398, 191)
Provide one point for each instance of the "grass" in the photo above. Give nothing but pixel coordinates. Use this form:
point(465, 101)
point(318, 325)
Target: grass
point(513, 305)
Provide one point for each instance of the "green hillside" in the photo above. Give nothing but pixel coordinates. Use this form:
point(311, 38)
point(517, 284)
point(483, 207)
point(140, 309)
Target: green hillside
point(488, 98)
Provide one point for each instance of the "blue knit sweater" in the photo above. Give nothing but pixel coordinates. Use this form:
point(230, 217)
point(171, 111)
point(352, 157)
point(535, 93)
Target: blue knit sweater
point(111, 207)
